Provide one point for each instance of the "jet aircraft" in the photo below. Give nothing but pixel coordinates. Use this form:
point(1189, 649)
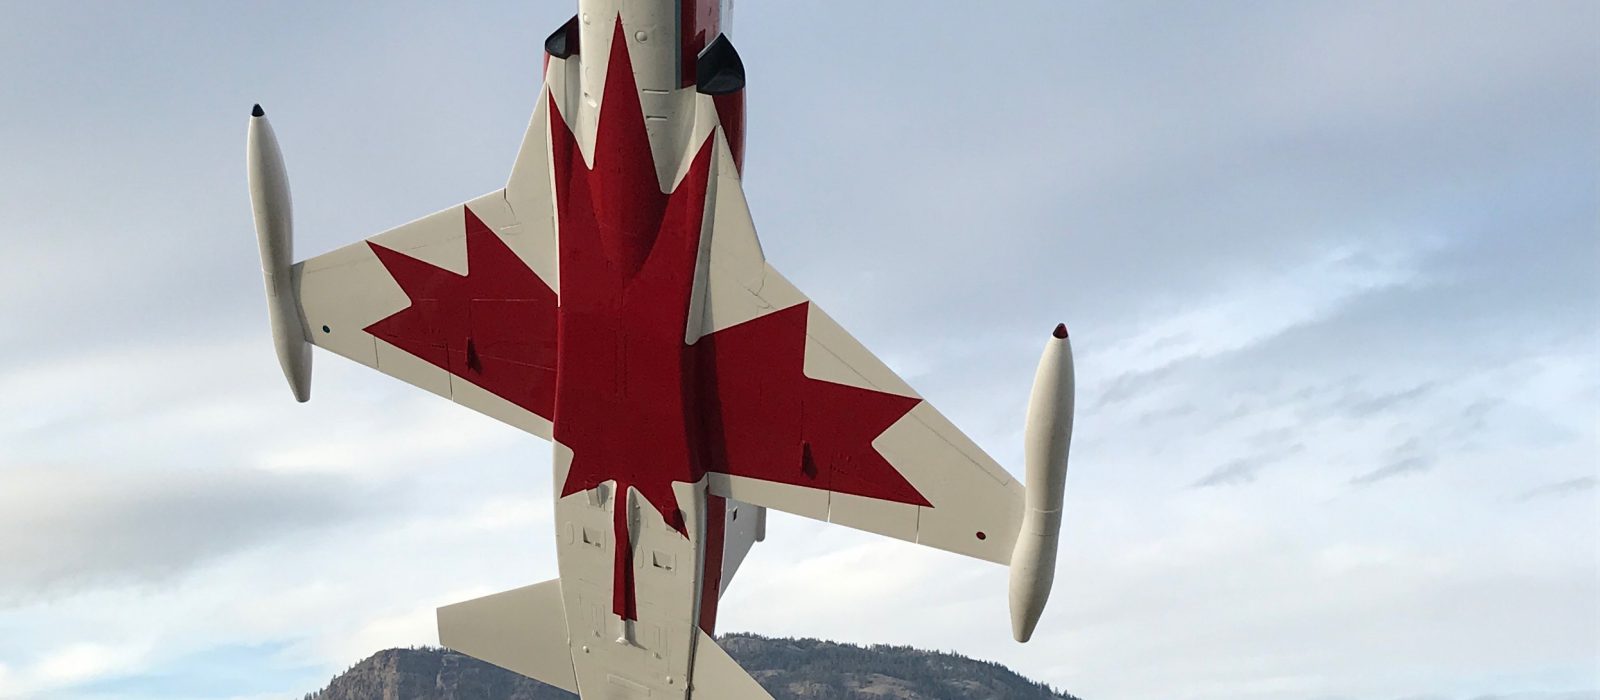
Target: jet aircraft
point(612, 298)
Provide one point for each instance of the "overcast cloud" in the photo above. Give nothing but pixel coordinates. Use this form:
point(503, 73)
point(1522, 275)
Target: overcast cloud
point(1332, 272)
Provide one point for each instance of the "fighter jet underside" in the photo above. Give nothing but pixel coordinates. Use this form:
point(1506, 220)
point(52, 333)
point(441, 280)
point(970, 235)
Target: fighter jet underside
point(613, 299)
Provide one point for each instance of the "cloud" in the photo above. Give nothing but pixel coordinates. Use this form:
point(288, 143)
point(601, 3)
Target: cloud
point(1569, 487)
point(1245, 469)
point(1248, 312)
point(84, 662)
point(64, 528)
point(1367, 405)
point(1407, 465)
point(1570, 695)
point(1239, 471)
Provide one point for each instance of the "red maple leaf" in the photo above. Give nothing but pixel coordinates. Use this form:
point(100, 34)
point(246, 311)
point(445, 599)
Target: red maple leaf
point(637, 405)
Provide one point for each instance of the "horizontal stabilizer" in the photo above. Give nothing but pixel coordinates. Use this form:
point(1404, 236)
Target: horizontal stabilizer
point(718, 677)
point(523, 630)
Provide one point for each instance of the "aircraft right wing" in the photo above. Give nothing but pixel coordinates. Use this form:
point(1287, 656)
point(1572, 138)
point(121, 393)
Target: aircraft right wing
point(960, 499)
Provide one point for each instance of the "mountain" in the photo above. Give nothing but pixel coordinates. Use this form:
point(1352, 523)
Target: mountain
point(791, 669)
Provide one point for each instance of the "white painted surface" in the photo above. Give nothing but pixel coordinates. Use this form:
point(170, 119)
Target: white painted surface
point(1048, 438)
point(522, 630)
point(274, 218)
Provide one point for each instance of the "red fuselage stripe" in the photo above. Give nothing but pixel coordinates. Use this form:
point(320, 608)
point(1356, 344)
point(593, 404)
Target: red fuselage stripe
point(700, 21)
point(711, 575)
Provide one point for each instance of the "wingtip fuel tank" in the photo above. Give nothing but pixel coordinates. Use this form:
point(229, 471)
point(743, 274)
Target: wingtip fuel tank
point(1047, 437)
point(274, 217)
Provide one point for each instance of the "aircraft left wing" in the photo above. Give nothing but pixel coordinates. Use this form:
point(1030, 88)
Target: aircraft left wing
point(461, 302)
point(397, 303)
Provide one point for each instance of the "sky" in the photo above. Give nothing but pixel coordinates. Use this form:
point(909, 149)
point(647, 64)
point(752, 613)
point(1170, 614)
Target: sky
point(1332, 271)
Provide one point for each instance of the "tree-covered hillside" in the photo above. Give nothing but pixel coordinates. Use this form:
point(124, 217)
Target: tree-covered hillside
point(791, 669)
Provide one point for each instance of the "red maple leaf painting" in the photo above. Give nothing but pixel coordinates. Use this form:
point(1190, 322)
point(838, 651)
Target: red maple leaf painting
point(608, 364)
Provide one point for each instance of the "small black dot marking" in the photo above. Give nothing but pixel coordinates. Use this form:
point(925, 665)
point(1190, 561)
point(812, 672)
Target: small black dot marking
point(326, 329)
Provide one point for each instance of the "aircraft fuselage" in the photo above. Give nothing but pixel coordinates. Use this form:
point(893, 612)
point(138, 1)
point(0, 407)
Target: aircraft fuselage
point(633, 510)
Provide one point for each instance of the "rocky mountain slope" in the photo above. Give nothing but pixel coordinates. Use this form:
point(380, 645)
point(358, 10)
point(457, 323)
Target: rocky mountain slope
point(791, 669)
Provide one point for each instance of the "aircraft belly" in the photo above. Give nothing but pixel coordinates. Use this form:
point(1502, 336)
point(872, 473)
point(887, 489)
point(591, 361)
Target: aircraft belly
point(647, 657)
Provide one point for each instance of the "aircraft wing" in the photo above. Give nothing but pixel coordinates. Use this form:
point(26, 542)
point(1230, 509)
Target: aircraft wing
point(962, 500)
point(425, 302)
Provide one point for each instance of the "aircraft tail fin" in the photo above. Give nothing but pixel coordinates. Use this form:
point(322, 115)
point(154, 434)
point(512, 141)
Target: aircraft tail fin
point(717, 676)
point(523, 630)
